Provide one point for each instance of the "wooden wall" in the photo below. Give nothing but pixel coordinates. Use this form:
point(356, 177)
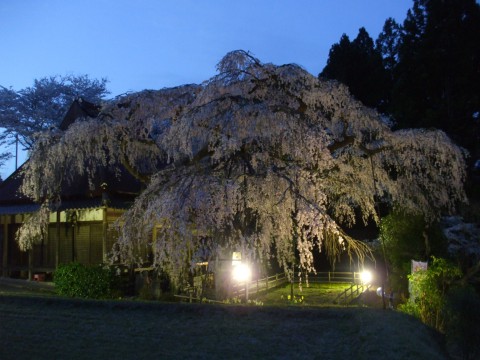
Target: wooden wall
point(86, 242)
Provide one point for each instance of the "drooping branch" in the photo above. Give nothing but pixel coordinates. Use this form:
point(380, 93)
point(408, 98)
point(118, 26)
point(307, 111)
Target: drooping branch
point(303, 145)
point(144, 178)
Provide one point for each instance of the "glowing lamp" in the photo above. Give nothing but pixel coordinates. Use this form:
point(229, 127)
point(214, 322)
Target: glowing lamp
point(366, 277)
point(241, 273)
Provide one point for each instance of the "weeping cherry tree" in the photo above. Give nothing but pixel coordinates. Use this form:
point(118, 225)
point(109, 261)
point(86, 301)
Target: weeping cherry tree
point(265, 159)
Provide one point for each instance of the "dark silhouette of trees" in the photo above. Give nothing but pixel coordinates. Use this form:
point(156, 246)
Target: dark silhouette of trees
point(358, 64)
point(3, 156)
point(432, 69)
point(437, 77)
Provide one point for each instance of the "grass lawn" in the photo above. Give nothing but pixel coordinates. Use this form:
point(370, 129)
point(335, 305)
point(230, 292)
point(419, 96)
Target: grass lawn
point(46, 327)
point(314, 295)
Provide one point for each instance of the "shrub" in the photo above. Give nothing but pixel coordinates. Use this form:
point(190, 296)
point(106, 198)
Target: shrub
point(77, 280)
point(428, 290)
point(406, 237)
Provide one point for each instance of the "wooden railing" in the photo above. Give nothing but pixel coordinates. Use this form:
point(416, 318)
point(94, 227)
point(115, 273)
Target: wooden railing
point(351, 293)
point(264, 284)
point(335, 277)
point(245, 290)
point(258, 285)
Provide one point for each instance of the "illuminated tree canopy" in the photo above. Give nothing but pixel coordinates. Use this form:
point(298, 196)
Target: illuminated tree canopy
point(266, 159)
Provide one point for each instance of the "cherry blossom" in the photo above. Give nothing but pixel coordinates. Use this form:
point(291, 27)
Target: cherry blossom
point(268, 160)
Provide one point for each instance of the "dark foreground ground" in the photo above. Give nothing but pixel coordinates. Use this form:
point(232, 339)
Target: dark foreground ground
point(36, 325)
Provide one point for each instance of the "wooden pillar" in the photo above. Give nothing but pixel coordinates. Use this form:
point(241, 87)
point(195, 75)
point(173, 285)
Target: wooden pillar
point(104, 234)
point(57, 242)
point(151, 251)
point(30, 264)
point(5, 246)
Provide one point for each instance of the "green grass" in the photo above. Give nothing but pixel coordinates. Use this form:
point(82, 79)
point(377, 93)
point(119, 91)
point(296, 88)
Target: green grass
point(50, 327)
point(313, 295)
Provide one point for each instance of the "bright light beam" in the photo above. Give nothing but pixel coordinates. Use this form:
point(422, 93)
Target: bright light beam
point(366, 277)
point(241, 272)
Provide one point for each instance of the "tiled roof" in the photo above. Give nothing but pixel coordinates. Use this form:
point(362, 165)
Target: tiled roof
point(79, 109)
point(18, 209)
point(10, 189)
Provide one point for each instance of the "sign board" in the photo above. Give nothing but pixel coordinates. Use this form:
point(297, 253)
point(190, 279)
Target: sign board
point(419, 265)
point(236, 258)
point(416, 266)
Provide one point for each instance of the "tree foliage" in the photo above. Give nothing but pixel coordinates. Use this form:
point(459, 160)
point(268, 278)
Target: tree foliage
point(440, 298)
point(388, 43)
point(265, 159)
point(37, 108)
point(430, 75)
point(358, 64)
point(429, 289)
point(437, 78)
point(4, 156)
point(407, 237)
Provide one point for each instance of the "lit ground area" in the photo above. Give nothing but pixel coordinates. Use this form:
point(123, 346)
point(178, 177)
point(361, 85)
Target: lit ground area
point(314, 294)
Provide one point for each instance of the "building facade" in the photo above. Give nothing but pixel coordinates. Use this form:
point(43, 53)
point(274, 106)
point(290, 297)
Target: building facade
point(80, 230)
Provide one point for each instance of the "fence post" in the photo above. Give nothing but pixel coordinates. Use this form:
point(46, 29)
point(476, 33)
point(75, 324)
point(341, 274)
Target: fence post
point(329, 276)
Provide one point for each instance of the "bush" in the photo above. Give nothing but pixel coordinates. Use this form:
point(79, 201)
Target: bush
point(406, 237)
point(428, 290)
point(92, 282)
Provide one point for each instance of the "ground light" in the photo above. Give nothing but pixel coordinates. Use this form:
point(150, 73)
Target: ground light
point(242, 274)
point(366, 277)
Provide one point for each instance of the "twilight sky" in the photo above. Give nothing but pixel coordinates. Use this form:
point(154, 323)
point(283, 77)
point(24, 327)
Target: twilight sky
point(151, 44)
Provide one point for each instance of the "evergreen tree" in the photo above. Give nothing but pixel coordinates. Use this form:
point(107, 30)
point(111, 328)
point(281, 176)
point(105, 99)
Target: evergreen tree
point(387, 44)
point(358, 64)
point(437, 78)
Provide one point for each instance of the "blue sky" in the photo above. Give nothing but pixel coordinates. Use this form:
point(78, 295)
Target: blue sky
point(148, 44)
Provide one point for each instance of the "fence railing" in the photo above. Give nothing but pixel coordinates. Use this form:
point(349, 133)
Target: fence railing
point(258, 285)
point(351, 293)
point(335, 277)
